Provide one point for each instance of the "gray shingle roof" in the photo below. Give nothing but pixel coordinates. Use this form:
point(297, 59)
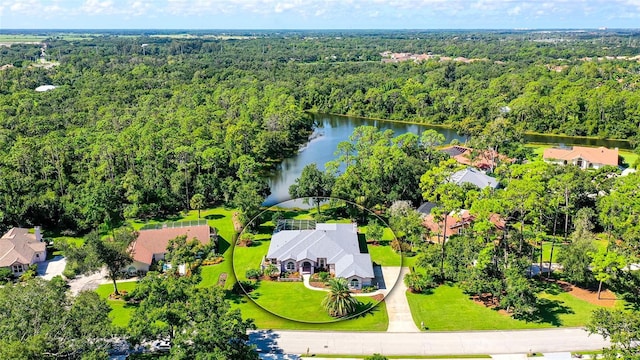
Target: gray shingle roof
point(338, 243)
point(475, 177)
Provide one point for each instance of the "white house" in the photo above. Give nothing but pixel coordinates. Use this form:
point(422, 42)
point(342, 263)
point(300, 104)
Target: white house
point(328, 247)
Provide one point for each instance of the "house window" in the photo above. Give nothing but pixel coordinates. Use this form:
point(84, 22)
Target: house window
point(354, 283)
point(291, 266)
point(17, 268)
point(38, 256)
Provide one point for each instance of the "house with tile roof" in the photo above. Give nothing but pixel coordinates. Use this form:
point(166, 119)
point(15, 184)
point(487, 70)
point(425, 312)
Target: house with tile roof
point(456, 223)
point(19, 248)
point(151, 244)
point(474, 177)
point(581, 156)
point(484, 160)
point(327, 247)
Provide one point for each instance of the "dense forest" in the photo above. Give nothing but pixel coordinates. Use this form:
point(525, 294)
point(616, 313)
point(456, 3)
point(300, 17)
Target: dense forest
point(139, 124)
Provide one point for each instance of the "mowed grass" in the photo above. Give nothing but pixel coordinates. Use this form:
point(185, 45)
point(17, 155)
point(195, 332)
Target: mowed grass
point(120, 311)
point(291, 306)
point(447, 308)
point(292, 300)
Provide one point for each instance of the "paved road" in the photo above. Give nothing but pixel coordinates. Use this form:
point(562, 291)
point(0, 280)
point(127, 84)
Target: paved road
point(426, 343)
point(400, 319)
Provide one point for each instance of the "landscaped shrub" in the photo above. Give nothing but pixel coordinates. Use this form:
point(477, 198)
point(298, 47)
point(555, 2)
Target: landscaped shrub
point(5, 275)
point(418, 283)
point(324, 276)
point(376, 357)
point(368, 289)
point(213, 261)
point(400, 246)
point(253, 274)
point(271, 271)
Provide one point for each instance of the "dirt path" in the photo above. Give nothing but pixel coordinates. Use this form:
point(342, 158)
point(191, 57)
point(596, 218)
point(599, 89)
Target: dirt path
point(607, 298)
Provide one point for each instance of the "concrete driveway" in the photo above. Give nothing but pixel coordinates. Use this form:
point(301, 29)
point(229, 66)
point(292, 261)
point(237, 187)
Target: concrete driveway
point(400, 319)
point(50, 268)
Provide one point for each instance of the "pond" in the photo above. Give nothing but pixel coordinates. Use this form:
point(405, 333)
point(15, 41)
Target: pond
point(333, 129)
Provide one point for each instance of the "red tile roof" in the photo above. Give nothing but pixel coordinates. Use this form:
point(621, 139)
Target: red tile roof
point(600, 155)
point(155, 241)
point(483, 159)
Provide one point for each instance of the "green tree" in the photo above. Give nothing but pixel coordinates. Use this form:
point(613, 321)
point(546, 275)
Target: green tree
point(339, 302)
point(375, 231)
point(39, 321)
point(181, 251)
point(198, 322)
point(575, 257)
point(520, 296)
point(197, 202)
point(312, 183)
point(605, 265)
point(112, 252)
point(621, 327)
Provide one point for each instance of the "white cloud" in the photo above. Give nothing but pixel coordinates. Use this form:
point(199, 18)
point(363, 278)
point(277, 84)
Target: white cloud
point(427, 11)
point(96, 7)
point(514, 11)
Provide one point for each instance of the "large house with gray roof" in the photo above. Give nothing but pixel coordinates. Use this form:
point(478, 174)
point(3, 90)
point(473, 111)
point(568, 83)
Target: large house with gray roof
point(327, 247)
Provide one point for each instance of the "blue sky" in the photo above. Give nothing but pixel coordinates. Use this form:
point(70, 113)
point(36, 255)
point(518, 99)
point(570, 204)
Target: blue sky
point(318, 14)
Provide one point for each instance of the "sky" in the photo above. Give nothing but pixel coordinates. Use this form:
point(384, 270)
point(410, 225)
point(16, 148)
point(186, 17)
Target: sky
point(318, 14)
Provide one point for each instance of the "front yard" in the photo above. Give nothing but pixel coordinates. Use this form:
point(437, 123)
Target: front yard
point(283, 305)
point(447, 308)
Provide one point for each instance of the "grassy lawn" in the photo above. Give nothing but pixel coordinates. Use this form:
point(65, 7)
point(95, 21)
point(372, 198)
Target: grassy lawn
point(249, 257)
point(304, 307)
point(120, 311)
point(566, 310)
point(546, 251)
point(447, 308)
point(294, 301)
point(629, 157)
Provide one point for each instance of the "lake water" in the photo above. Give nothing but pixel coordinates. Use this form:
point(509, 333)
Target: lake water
point(333, 129)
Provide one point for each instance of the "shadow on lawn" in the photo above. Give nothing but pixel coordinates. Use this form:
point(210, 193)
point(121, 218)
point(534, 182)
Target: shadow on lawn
point(223, 245)
point(214, 217)
point(364, 310)
point(549, 311)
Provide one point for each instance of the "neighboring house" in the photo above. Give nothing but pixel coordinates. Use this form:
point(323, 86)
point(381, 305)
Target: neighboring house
point(151, 244)
point(485, 160)
point(20, 248)
point(425, 208)
point(582, 157)
point(456, 223)
point(475, 177)
point(327, 247)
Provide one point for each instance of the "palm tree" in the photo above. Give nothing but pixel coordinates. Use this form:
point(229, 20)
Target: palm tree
point(339, 302)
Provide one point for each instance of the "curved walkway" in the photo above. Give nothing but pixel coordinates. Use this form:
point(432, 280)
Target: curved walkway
point(306, 281)
point(426, 343)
